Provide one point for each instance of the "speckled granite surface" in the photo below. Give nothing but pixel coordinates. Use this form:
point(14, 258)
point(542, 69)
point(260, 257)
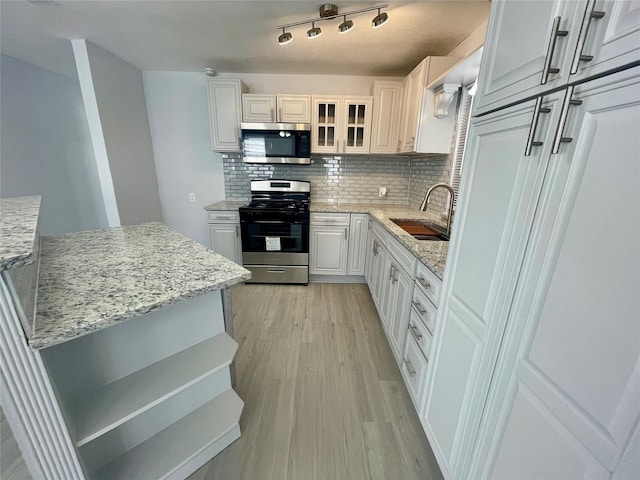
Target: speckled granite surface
point(92, 280)
point(224, 205)
point(432, 253)
point(18, 231)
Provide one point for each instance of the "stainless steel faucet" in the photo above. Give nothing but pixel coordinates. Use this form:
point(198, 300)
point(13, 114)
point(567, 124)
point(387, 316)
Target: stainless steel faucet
point(452, 194)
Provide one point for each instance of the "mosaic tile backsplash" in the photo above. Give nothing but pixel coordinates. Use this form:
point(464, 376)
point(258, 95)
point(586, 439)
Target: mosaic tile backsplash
point(348, 179)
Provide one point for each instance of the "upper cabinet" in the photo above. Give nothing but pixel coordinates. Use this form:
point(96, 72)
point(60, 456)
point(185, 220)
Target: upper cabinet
point(341, 124)
point(559, 42)
point(225, 114)
point(387, 98)
point(420, 131)
point(265, 108)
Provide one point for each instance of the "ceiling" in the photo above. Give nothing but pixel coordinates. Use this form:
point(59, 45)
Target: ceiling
point(236, 36)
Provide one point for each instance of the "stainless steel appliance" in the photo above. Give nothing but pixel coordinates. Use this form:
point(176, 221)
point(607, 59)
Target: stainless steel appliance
point(276, 143)
point(274, 228)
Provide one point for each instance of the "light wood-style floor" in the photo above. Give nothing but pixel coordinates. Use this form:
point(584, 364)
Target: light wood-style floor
point(323, 396)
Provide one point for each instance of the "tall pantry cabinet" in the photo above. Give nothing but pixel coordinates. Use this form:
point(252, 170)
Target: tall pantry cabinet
point(536, 368)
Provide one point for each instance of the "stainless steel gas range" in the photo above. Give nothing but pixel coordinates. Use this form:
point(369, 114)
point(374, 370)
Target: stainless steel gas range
point(275, 231)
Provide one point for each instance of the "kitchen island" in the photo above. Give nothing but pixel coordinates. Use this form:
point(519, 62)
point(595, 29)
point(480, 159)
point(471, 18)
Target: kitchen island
point(120, 368)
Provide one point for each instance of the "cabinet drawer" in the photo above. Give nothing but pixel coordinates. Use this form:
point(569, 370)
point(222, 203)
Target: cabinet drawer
point(224, 216)
point(424, 309)
point(420, 333)
point(414, 370)
point(403, 256)
point(429, 283)
point(330, 219)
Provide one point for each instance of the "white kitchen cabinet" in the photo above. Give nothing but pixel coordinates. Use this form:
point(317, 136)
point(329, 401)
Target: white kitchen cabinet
point(387, 98)
point(265, 108)
point(515, 74)
point(225, 113)
point(224, 233)
point(294, 108)
point(258, 108)
point(398, 308)
point(421, 131)
point(414, 368)
point(341, 124)
point(495, 208)
point(566, 382)
point(328, 243)
point(357, 252)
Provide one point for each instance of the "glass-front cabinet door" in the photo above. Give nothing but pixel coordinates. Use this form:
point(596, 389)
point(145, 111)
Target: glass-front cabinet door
point(325, 124)
point(357, 124)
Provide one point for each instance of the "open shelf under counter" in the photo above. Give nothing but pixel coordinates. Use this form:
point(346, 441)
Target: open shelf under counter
point(188, 443)
point(112, 405)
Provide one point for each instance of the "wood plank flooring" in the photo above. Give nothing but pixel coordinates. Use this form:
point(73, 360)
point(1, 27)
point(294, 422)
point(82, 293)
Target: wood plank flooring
point(324, 399)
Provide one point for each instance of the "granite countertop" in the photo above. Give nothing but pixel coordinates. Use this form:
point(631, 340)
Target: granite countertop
point(432, 253)
point(18, 227)
point(93, 280)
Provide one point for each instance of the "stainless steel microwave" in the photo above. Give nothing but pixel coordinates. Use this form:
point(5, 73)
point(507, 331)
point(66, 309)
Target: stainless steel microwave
point(276, 143)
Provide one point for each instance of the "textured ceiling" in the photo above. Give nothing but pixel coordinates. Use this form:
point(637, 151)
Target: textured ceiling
point(235, 36)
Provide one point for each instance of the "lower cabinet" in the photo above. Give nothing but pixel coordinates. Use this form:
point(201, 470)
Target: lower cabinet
point(357, 255)
point(328, 243)
point(224, 233)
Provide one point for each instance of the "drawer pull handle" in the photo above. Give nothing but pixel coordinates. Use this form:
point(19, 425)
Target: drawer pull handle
point(275, 271)
point(409, 367)
point(237, 231)
point(555, 33)
point(419, 308)
point(423, 282)
point(563, 120)
point(415, 332)
point(578, 57)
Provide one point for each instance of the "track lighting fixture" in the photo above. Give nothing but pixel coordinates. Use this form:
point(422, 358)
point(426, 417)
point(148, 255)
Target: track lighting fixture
point(329, 11)
point(314, 31)
point(379, 19)
point(345, 26)
point(286, 37)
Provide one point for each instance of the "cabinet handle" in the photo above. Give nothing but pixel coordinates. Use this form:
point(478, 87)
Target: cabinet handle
point(563, 120)
point(346, 231)
point(237, 231)
point(391, 272)
point(578, 56)
point(534, 126)
point(555, 33)
point(395, 274)
point(423, 282)
point(415, 332)
point(407, 364)
point(279, 113)
point(275, 271)
point(419, 308)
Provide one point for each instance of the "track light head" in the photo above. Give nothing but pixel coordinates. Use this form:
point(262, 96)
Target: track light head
point(379, 19)
point(285, 38)
point(345, 26)
point(314, 31)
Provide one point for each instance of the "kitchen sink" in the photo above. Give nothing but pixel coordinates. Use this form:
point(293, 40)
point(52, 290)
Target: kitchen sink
point(422, 230)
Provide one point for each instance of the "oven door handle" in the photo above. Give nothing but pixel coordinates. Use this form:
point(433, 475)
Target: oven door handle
point(275, 222)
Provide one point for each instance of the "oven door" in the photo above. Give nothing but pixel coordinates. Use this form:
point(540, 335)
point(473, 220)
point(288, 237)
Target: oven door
point(274, 238)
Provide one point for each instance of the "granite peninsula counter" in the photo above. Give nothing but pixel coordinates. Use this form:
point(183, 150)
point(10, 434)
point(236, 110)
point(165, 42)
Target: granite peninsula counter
point(92, 280)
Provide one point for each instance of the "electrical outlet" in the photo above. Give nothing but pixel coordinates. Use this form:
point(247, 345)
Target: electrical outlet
point(192, 197)
point(382, 192)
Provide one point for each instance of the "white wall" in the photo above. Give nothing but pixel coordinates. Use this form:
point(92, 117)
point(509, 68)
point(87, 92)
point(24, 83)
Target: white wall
point(45, 147)
point(113, 94)
point(179, 121)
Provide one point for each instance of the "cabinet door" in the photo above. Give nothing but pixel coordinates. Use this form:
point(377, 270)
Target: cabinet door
point(258, 108)
point(225, 114)
point(370, 256)
point(356, 124)
point(413, 91)
point(357, 253)
point(328, 250)
point(399, 321)
point(606, 42)
point(518, 47)
point(294, 108)
point(567, 386)
point(385, 119)
point(498, 197)
point(225, 240)
point(325, 124)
